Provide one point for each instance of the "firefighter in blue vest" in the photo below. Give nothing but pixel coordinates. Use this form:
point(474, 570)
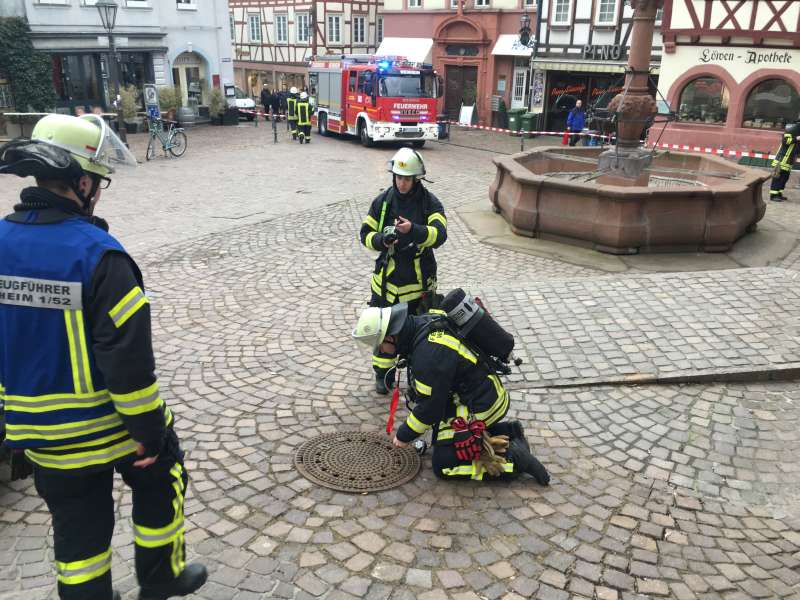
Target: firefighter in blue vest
point(291, 111)
point(304, 118)
point(77, 372)
point(404, 225)
point(784, 161)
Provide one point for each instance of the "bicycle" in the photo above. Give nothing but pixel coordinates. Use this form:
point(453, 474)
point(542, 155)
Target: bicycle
point(173, 140)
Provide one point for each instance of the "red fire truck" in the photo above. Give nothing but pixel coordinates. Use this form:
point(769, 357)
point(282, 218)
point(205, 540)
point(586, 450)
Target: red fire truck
point(377, 98)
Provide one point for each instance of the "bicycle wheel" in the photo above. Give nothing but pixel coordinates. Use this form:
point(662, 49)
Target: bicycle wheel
point(151, 149)
point(177, 145)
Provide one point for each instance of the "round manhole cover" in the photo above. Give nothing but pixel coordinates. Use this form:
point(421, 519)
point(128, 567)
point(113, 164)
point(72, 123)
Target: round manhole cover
point(356, 462)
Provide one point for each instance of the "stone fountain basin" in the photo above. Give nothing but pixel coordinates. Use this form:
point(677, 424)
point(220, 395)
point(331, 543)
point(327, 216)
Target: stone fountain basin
point(719, 203)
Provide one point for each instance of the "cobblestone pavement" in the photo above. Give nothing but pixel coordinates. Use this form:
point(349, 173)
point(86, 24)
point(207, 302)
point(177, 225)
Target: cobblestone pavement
point(679, 491)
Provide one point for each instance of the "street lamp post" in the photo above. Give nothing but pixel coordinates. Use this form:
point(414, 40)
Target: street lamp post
point(108, 17)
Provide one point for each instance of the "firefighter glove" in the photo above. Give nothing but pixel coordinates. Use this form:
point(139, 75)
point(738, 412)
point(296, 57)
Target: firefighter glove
point(20, 467)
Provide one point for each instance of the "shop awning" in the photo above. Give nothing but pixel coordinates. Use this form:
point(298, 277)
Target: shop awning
point(414, 49)
point(583, 66)
point(507, 44)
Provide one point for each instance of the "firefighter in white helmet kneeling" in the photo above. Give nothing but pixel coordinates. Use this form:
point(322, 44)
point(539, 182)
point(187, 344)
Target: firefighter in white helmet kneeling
point(77, 371)
point(454, 391)
point(404, 225)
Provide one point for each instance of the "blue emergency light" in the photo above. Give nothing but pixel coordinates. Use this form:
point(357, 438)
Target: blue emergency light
point(384, 65)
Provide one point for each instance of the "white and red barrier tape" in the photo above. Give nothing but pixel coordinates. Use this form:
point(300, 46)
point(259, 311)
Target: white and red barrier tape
point(682, 147)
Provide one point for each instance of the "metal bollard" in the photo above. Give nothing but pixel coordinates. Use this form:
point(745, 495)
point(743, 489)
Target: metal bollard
point(255, 119)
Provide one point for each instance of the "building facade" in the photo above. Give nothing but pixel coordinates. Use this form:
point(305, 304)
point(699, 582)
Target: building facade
point(166, 42)
point(581, 55)
point(731, 71)
point(474, 47)
point(273, 40)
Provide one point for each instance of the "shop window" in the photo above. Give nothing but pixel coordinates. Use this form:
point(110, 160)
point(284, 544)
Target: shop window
point(561, 12)
point(704, 100)
point(771, 105)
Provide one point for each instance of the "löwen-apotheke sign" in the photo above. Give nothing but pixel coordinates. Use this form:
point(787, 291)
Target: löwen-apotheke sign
point(745, 56)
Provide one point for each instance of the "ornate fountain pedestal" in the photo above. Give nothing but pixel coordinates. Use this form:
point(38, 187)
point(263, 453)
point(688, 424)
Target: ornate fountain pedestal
point(680, 203)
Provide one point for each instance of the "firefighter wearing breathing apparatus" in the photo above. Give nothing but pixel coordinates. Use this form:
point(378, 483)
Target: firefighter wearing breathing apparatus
point(783, 162)
point(304, 118)
point(454, 392)
point(77, 372)
point(404, 224)
point(291, 111)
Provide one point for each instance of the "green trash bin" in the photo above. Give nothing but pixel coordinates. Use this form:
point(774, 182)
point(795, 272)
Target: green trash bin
point(528, 119)
point(515, 119)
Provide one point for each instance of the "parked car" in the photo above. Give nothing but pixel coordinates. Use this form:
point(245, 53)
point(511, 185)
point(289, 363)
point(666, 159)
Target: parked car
point(244, 103)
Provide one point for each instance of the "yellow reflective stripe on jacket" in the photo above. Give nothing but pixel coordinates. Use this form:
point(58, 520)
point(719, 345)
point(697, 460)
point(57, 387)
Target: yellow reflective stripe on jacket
point(78, 354)
point(62, 430)
point(81, 571)
point(139, 401)
point(437, 337)
point(433, 234)
point(437, 217)
point(368, 239)
point(422, 388)
point(127, 307)
point(382, 362)
point(415, 424)
point(52, 402)
point(445, 430)
point(81, 460)
point(370, 222)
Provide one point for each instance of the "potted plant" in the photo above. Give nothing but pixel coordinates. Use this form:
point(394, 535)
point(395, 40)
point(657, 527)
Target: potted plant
point(169, 98)
point(128, 109)
point(216, 106)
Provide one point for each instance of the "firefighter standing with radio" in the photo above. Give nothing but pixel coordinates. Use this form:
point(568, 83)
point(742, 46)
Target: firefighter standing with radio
point(456, 393)
point(404, 224)
point(304, 118)
point(291, 111)
point(77, 371)
point(784, 161)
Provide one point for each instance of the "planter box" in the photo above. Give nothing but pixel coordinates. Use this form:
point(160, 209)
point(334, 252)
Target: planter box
point(21, 124)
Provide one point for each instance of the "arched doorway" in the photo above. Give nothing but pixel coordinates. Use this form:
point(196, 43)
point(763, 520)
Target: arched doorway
point(461, 47)
point(190, 74)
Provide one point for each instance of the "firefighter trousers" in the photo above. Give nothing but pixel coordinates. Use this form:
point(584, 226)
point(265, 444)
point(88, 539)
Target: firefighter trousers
point(82, 508)
point(447, 465)
point(779, 183)
point(304, 132)
point(293, 127)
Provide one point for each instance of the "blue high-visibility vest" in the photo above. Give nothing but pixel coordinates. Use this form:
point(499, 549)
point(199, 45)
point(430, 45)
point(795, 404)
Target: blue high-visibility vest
point(55, 397)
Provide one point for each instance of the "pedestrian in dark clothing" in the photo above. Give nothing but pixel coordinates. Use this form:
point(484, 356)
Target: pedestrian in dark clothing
point(276, 105)
point(266, 100)
point(576, 121)
point(784, 161)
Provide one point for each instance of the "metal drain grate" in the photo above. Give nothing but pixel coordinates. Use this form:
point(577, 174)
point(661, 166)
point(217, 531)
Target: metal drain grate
point(356, 462)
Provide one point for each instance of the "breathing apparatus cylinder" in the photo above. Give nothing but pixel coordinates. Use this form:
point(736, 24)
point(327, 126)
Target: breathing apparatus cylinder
point(474, 324)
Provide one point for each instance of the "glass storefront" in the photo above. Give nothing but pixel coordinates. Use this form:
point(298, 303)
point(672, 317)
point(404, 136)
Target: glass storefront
point(771, 104)
point(564, 89)
point(704, 100)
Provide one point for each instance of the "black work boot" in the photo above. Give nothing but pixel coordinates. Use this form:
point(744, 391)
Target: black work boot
point(191, 579)
point(518, 432)
point(527, 462)
point(380, 383)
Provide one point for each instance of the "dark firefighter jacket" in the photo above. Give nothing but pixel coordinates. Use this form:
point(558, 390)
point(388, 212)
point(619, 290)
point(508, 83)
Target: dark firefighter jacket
point(787, 153)
point(448, 380)
point(303, 112)
point(291, 107)
point(411, 269)
point(79, 386)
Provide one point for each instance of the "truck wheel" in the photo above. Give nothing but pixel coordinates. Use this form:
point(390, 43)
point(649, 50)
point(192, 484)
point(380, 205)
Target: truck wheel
point(418, 143)
point(366, 141)
point(322, 125)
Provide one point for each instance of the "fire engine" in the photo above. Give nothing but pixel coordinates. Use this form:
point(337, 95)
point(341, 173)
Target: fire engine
point(377, 98)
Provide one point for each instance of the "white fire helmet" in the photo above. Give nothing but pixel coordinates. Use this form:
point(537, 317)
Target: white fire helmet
point(408, 162)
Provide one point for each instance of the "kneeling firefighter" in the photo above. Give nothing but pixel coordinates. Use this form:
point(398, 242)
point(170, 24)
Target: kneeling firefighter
point(404, 224)
point(456, 391)
point(77, 371)
point(304, 118)
point(291, 111)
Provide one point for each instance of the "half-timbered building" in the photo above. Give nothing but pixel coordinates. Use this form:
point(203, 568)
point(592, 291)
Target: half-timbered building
point(731, 71)
point(581, 54)
point(273, 40)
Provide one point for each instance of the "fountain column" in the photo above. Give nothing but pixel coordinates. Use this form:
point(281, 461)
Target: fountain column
point(634, 107)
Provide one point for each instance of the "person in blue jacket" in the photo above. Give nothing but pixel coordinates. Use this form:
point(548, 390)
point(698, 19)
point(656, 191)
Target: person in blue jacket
point(576, 121)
